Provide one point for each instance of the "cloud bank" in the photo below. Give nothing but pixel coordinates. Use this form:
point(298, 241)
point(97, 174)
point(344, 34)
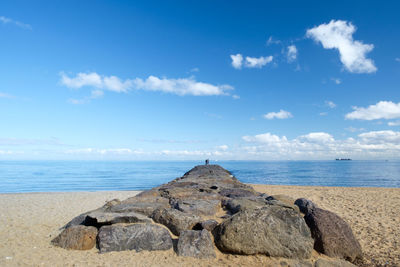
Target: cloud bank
point(381, 110)
point(321, 145)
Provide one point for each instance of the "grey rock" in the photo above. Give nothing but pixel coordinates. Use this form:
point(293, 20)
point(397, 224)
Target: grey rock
point(146, 208)
point(237, 192)
point(288, 201)
point(196, 244)
point(197, 206)
point(209, 225)
point(78, 237)
point(243, 203)
point(134, 237)
point(175, 220)
point(333, 236)
point(333, 263)
point(102, 218)
point(273, 231)
point(306, 206)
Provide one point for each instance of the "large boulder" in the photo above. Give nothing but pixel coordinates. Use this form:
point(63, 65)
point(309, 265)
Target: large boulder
point(104, 218)
point(306, 206)
point(134, 237)
point(141, 205)
point(333, 236)
point(175, 220)
point(77, 237)
point(274, 231)
point(197, 206)
point(196, 244)
point(243, 203)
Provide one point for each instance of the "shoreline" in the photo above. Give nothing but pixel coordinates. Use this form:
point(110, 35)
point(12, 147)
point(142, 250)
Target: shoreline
point(30, 220)
point(253, 185)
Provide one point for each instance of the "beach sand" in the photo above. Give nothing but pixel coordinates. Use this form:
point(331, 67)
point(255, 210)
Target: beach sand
point(28, 222)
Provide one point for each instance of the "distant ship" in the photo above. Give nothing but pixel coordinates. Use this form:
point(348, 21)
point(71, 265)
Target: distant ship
point(342, 159)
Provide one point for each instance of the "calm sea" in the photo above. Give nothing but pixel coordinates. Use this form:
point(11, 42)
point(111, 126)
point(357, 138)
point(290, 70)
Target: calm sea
point(53, 176)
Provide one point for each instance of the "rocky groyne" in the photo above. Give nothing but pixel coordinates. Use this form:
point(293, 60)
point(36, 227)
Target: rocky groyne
point(208, 209)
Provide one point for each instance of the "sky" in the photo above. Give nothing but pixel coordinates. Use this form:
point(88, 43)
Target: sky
point(184, 80)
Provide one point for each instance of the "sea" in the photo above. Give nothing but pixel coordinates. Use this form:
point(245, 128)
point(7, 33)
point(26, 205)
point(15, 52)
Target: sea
point(74, 176)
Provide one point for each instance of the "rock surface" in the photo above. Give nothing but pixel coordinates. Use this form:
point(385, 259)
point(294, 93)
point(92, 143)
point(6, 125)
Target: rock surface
point(78, 237)
point(134, 237)
point(334, 263)
point(306, 206)
point(333, 236)
point(105, 218)
point(273, 231)
point(196, 244)
point(175, 220)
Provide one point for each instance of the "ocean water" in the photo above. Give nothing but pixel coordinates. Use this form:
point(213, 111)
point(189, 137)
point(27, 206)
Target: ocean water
point(56, 176)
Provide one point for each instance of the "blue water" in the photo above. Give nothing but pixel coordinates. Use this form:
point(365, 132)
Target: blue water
point(53, 176)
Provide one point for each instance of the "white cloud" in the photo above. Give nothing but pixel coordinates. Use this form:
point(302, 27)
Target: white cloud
point(318, 137)
point(321, 145)
point(394, 123)
point(237, 61)
point(22, 25)
point(353, 129)
point(250, 62)
point(235, 97)
point(336, 80)
point(186, 86)
point(330, 104)
point(291, 53)
point(397, 59)
point(381, 110)
point(282, 114)
point(223, 147)
point(381, 137)
point(195, 70)
point(183, 86)
point(253, 62)
point(323, 113)
point(111, 83)
point(338, 34)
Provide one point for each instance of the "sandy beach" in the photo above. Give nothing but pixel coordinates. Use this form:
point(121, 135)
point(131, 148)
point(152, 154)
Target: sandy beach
point(28, 222)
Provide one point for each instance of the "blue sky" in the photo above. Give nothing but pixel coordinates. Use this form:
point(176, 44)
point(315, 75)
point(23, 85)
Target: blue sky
point(124, 80)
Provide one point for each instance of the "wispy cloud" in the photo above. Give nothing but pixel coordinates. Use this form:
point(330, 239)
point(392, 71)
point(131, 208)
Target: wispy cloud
point(271, 40)
point(181, 86)
point(336, 80)
point(330, 104)
point(4, 95)
point(22, 25)
point(394, 123)
point(397, 59)
point(282, 114)
point(338, 34)
point(381, 110)
point(291, 54)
